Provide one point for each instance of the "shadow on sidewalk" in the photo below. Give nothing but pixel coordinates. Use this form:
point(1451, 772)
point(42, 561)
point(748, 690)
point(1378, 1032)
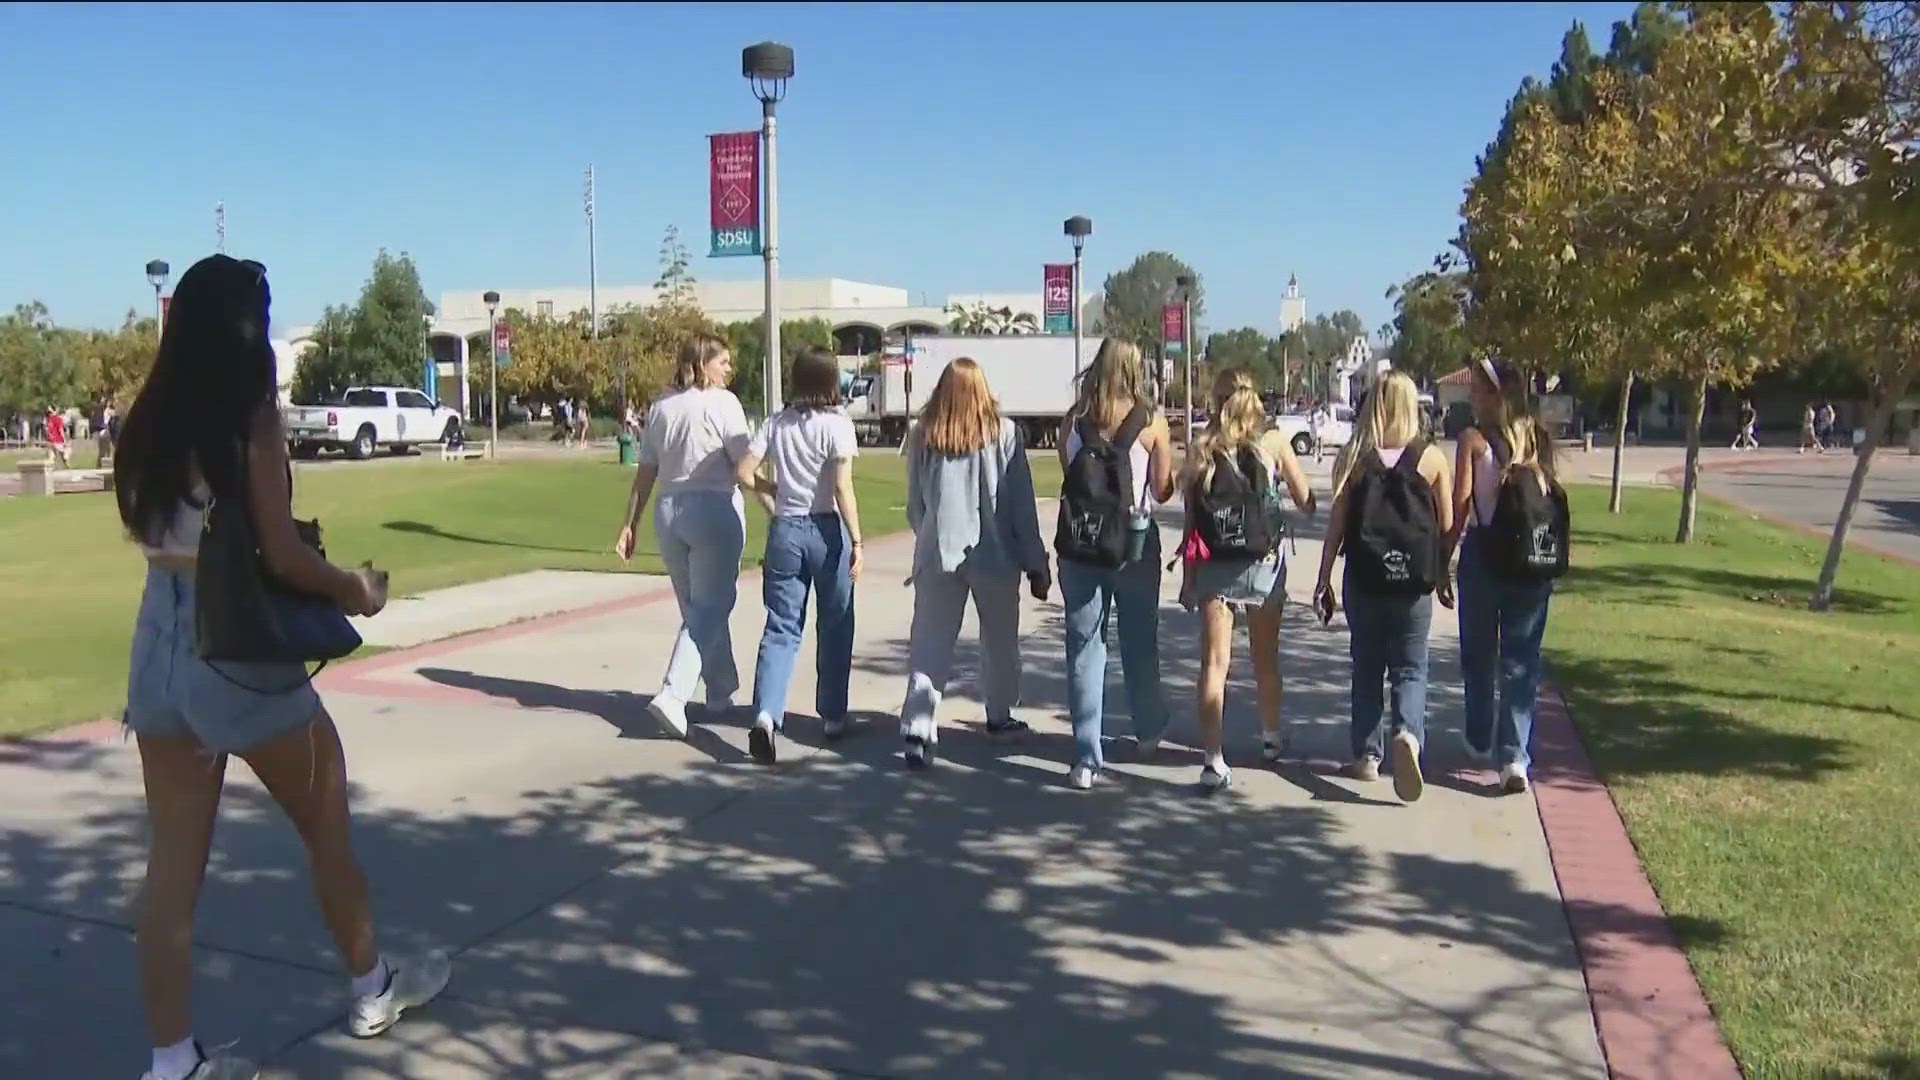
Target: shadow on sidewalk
point(421, 528)
point(625, 712)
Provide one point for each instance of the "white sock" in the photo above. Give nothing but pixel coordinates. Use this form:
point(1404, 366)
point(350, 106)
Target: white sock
point(373, 982)
point(178, 1061)
point(1217, 762)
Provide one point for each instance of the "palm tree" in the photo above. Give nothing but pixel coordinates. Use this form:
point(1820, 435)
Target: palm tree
point(981, 319)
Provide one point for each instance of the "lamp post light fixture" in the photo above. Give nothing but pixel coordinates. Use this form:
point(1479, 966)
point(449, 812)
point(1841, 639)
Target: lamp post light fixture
point(493, 370)
point(1077, 229)
point(768, 66)
point(157, 272)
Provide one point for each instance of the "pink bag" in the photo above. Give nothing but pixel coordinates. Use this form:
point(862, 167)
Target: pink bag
point(1193, 549)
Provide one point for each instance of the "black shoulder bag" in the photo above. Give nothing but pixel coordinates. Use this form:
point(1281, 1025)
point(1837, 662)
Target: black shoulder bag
point(243, 613)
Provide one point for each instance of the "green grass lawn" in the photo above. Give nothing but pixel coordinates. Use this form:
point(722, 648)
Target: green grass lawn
point(70, 583)
point(83, 454)
point(1767, 762)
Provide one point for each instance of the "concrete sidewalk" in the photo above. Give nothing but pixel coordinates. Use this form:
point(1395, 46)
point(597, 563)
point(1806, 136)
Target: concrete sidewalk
point(625, 905)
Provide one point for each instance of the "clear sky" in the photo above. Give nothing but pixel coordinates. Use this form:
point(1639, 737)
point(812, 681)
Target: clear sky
point(931, 147)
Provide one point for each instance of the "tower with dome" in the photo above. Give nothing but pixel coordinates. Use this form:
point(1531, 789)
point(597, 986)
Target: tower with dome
point(1293, 307)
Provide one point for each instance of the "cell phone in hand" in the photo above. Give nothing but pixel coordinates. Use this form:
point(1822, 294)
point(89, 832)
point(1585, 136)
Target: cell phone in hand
point(1323, 605)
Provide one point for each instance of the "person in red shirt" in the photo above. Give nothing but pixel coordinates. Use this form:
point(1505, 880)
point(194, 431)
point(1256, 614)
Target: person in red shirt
point(57, 436)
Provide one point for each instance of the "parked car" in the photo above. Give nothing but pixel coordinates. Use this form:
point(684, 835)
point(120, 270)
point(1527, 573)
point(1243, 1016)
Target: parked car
point(368, 417)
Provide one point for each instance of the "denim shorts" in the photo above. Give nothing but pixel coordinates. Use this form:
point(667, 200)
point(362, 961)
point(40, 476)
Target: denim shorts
point(172, 691)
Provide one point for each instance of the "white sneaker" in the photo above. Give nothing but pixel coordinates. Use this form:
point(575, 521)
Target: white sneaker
point(218, 1067)
point(671, 714)
point(1407, 781)
point(1513, 780)
point(411, 982)
point(1215, 777)
point(1081, 777)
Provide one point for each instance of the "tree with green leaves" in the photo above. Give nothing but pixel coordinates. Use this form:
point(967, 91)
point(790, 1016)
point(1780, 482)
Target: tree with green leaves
point(1428, 336)
point(982, 318)
point(748, 342)
point(1132, 299)
point(37, 366)
point(388, 340)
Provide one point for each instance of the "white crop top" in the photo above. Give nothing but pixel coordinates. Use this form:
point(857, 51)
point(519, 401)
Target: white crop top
point(182, 536)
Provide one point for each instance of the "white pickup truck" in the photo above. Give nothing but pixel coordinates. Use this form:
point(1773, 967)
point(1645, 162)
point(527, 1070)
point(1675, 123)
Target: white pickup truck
point(367, 417)
point(1306, 432)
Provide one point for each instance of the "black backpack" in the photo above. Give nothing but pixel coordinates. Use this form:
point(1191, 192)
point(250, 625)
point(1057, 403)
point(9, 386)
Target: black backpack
point(1393, 534)
point(1233, 512)
point(1096, 495)
point(1528, 537)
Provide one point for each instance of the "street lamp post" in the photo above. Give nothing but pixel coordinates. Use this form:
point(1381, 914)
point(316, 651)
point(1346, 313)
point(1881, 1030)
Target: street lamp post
point(493, 371)
point(1184, 282)
point(768, 66)
point(1077, 229)
point(157, 272)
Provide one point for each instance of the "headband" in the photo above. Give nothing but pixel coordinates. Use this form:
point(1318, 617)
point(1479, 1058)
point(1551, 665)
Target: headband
point(1493, 376)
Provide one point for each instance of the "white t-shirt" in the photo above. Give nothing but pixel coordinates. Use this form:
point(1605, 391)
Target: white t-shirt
point(803, 445)
point(693, 437)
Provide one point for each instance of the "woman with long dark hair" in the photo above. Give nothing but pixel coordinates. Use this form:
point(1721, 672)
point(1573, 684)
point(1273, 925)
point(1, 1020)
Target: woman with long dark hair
point(206, 426)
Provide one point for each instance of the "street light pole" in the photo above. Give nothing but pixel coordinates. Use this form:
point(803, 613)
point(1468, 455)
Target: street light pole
point(493, 371)
point(1184, 282)
point(157, 272)
point(593, 264)
point(1077, 229)
point(768, 66)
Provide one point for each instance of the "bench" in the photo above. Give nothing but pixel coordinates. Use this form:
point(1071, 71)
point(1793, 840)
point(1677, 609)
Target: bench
point(468, 452)
point(36, 477)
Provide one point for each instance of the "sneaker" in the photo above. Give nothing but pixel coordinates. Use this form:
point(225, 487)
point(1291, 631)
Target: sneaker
point(1366, 768)
point(411, 982)
point(760, 741)
point(1007, 729)
point(218, 1067)
point(919, 753)
point(1513, 780)
point(671, 714)
point(1407, 781)
point(1082, 777)
point(834, 727)
point(1273, 747)
point(1215, 777)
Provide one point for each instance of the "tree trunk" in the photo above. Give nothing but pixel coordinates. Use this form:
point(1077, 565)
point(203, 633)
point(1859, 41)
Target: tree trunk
point(1690, 490)
point(1829, 570)
point(1620, 442)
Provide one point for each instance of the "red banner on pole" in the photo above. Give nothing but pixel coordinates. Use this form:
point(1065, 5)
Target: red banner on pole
point(1057, 297)
point(734, 192)
point(1173, 328)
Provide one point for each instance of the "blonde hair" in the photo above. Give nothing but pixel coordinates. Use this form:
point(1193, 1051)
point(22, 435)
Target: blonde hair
point(1112, 385)
point(961, 415)
point(1239, 420)
point(690, 368)
point(1391, 419)
point(1528, 441)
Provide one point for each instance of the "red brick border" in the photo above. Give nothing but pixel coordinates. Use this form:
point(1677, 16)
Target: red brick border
point(1652, 1019)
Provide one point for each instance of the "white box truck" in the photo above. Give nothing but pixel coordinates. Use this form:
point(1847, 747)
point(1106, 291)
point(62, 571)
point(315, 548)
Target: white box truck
point(1031, 376)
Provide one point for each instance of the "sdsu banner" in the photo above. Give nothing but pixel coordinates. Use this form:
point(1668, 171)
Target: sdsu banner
point(734, 192)
point(1173, 329)
point(1057, 298)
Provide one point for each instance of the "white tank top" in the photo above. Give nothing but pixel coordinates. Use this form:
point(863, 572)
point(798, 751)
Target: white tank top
point(1137, 458)
point(182, 537)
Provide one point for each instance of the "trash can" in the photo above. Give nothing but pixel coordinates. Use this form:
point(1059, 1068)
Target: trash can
point(628, 455)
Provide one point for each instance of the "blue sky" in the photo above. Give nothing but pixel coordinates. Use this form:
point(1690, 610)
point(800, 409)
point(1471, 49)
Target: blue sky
point(932, 147)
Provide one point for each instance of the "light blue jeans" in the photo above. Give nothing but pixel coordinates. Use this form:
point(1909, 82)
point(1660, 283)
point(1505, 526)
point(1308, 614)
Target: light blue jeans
point(1387, 638)
point(805, 552)
point(701, 535)
point(1501, 626)
point(1090, 593)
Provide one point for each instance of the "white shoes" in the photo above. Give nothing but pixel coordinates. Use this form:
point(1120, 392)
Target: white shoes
point(670, 714)
point(1513, 780)
point(1407, 781)
point(1081, 777)
point(411, 982)
point(217, 1067)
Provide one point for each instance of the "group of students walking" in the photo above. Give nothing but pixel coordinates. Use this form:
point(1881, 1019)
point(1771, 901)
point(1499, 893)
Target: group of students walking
point(1400, 511)
point(204, 431)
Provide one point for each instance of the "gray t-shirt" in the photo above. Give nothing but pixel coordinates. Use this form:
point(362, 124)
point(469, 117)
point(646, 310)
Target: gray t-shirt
point(804, 445)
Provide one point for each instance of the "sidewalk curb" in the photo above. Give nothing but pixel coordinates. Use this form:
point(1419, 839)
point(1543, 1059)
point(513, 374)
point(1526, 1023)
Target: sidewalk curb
point(1651, 1017)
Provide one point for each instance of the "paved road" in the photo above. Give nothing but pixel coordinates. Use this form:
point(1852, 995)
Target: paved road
point(1809, 490)
point(627, 905)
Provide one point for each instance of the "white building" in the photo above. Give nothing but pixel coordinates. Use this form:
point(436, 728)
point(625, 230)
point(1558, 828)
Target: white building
point(1293, 307)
